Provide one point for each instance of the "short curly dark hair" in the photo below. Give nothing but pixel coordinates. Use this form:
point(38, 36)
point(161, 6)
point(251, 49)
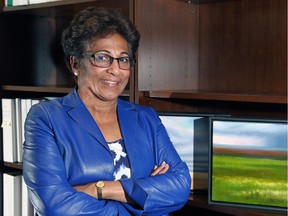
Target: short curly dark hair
point(94, 23)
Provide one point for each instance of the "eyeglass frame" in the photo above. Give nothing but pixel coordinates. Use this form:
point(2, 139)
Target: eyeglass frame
point(92, 55)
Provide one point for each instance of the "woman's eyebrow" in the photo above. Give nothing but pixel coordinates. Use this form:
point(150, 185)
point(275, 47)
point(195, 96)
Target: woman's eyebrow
point(108, 52)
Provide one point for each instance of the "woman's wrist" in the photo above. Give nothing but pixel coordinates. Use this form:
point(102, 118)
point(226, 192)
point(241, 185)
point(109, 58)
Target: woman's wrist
point(113, 190)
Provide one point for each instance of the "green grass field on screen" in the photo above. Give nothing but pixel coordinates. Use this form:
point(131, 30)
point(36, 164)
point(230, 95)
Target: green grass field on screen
point(250, 180)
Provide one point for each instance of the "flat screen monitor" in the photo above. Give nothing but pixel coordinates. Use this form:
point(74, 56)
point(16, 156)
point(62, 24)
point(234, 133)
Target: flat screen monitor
point(189, 133)
point(248, 162)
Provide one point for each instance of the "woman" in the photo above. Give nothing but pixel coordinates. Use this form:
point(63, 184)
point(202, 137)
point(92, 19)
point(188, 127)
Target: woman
point(91, 153)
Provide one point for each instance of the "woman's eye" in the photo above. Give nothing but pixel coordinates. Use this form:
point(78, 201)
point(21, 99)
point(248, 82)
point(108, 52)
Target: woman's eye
point(101, 57)
point(124, 60)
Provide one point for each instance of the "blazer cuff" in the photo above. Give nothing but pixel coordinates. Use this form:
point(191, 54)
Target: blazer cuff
point(134, 191)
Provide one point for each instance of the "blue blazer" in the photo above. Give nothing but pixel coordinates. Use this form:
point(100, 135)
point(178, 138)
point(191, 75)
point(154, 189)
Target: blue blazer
point(64, 147)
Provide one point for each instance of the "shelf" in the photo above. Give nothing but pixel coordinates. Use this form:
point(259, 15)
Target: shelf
point(46, 89)
point(201, 201)
point(15, 91)
point(44, 5)
point(43, 89)
point(200, 1)
point(16, 165)
point(218, 96)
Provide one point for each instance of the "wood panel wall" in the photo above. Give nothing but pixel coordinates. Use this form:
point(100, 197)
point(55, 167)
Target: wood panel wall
point(243, 46)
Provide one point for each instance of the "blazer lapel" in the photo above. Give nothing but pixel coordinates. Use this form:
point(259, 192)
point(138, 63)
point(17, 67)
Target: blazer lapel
point(79, 113)
point(127, 116)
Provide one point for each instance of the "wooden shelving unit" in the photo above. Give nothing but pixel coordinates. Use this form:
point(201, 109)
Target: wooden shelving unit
point(230, 58)
point(33, 65)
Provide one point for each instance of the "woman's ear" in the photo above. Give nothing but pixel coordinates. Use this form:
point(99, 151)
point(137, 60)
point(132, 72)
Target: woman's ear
point(74, 65)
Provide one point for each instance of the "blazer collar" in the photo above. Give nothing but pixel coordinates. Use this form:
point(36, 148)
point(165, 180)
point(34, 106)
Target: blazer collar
point(73, 100)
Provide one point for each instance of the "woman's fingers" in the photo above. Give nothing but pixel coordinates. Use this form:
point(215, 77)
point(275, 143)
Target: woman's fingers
point(160, 169)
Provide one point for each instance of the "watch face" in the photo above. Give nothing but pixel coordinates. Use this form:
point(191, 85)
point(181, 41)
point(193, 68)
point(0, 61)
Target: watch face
point(100, 184)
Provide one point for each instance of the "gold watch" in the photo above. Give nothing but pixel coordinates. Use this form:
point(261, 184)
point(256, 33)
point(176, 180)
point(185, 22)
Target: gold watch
point(99, 186)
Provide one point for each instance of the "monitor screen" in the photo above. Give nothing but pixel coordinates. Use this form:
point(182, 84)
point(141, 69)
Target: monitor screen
point(248, 162)
point(189, 133)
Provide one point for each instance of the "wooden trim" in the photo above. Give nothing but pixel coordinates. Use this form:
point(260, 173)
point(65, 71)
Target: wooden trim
point(48, 89)
point(10, 165)
point(45, 5)
point(219, 96)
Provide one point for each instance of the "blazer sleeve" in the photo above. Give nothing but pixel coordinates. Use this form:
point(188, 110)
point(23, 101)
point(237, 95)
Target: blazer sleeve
point(161, 194)
point(45, 175)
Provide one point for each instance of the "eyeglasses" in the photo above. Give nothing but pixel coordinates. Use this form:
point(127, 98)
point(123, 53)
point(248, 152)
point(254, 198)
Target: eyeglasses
point(104, 61)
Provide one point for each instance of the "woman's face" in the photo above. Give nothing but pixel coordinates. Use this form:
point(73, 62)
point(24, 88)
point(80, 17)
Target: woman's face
point(108, 83)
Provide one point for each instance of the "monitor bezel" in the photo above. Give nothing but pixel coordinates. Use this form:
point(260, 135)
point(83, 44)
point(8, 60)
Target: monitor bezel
point(237, 119)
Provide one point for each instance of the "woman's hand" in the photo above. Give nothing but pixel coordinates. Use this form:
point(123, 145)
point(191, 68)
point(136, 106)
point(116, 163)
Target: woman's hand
point(87, 188)
point(163, 168)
